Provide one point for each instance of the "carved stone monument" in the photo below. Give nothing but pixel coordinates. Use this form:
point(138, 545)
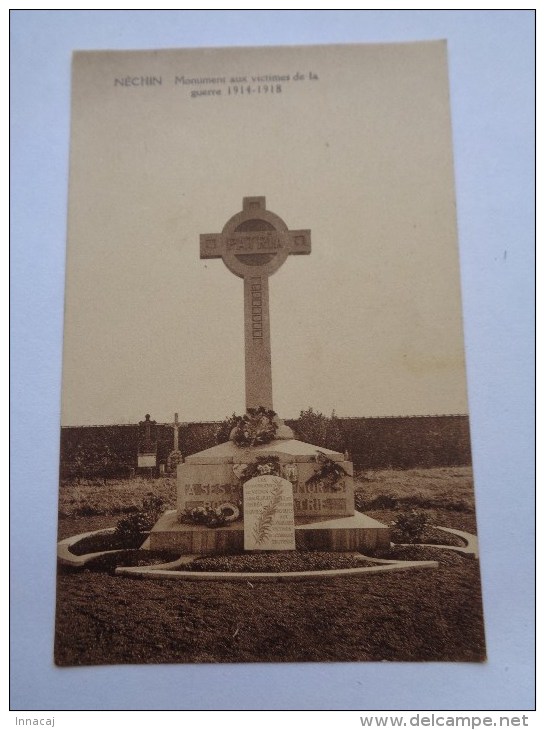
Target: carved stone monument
point(147, 446)
point(253, 244)
point(268, 514)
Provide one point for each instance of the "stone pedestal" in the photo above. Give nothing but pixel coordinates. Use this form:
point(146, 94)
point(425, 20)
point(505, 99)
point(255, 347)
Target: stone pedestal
point(325, 518)
point(358, 533)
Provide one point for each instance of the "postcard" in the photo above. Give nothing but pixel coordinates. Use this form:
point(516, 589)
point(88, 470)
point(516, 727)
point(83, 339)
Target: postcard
point(265, 450)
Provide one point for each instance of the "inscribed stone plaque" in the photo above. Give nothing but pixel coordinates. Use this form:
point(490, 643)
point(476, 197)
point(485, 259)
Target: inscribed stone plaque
point(206, 485)
point(321, 498)
point(147, 460)
point(268, 514)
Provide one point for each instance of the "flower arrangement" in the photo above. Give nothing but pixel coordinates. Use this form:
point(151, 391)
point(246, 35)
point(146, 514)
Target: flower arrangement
point(256, 426)
point(263, 465)
point(212, 516)
point(329, 473)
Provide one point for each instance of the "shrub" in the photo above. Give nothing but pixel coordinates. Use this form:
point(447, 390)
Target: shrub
point(411, 525)
point(381, 501)
point(174, 458)
point(153, 505)
point(133, 527)
point(136, 525)
point(384, 501)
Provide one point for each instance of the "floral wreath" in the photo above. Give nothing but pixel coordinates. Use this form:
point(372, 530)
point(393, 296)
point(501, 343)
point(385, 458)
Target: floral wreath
point(212, 516)
point(329, 473)
point(263, 465)
point(256, 426)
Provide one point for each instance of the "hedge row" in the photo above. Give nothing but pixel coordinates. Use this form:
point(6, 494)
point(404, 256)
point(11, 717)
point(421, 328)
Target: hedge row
point(373, 443)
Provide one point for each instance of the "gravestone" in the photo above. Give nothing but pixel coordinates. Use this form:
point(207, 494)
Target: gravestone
point(254, 244)
point(268, 514)
point(147, 448)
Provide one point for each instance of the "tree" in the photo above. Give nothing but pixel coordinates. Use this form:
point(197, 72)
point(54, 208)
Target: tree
point(315, 428)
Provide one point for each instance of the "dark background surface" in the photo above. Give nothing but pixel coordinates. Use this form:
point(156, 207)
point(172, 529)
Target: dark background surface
point(491, 55)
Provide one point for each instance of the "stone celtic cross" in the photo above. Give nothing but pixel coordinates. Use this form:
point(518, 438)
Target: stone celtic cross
point(253, 245)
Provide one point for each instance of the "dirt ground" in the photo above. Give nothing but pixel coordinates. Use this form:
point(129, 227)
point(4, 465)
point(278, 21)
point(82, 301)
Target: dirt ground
point(429, 615)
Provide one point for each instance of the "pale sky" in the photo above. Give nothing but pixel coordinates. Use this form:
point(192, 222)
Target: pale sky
point(369, 324)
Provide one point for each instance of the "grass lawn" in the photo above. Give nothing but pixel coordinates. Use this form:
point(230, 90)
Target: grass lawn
point(427, 615)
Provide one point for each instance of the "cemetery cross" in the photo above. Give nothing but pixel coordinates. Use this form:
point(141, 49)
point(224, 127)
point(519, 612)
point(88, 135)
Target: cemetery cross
point(175, 429)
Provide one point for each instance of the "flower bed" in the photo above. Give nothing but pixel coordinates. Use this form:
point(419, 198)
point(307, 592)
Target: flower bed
point(105, 541)
point(277, 562)
point(431, 536)
point(129, 559)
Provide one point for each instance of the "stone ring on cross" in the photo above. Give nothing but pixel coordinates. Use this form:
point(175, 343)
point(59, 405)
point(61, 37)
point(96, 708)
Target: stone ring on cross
point(254, 242)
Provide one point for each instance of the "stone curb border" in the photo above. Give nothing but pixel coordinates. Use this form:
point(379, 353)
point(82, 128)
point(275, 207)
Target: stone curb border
point(160, 571)
point(66, 558)
point(472, 545)
point(164, 570)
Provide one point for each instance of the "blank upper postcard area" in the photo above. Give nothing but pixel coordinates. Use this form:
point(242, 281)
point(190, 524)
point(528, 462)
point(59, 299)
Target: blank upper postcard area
point(355, 145)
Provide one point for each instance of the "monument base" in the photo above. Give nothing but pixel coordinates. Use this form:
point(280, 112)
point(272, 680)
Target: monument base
point(323, 507)
point(343, 534)
point(208, 478)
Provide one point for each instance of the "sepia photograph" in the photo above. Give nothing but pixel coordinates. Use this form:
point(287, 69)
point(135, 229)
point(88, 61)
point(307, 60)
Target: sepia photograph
point(265, 448)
